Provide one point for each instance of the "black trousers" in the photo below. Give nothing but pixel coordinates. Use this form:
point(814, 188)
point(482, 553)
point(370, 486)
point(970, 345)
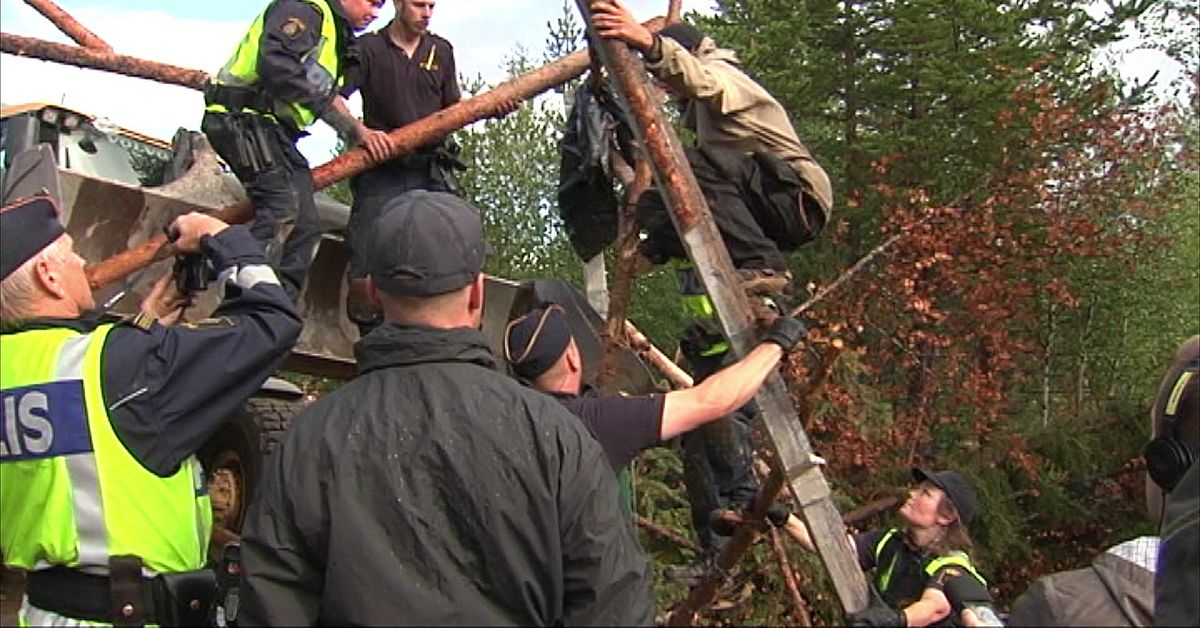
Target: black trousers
point(717, 460)
point(374, 190)
point(748, 244)
point(263, 156)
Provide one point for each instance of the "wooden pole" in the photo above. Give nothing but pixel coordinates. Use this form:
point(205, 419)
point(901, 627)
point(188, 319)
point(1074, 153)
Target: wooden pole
point(646, 349)
point(799, 607)
point(70, 25)
point(702, 594)
point(796, 464)
point(674, 8)
point(99, 60)
point(668, 534)
point(356, 160)
point(621, 290)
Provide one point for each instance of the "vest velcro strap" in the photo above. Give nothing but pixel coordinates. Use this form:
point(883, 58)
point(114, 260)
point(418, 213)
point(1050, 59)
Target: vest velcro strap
point(79, 595)
point(129, 603)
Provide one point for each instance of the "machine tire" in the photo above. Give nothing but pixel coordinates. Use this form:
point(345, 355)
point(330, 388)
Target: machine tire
point(233, 457)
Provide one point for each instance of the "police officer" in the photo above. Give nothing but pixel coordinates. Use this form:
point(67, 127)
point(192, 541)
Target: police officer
point(102, 499)
point(283, 76)
point(923, 575)
point(542, 351)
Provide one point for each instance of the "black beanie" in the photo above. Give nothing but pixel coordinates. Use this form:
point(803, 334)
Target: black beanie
point(534, 342)
point(684, 34)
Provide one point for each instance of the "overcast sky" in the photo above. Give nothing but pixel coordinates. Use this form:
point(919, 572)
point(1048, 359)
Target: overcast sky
point(202, 35)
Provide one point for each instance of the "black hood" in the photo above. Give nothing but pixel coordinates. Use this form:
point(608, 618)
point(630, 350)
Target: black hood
point(406, 345)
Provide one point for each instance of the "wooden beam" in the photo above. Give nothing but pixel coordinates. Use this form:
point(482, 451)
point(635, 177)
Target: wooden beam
point(796, 464)
point(99, 60)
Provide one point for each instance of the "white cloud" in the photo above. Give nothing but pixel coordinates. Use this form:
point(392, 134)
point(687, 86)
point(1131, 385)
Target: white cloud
point(483, 34)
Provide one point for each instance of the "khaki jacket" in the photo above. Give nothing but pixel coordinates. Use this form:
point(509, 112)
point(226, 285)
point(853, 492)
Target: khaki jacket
point(730, 110)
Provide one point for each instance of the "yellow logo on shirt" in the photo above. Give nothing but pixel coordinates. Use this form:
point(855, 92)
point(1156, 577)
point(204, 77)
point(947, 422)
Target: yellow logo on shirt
point(292, 27)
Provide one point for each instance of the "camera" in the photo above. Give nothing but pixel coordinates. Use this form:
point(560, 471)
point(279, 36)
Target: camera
point(191, 272)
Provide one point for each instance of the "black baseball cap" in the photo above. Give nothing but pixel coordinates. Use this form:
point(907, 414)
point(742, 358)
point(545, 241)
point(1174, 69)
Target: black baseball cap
point(684, 34)
point(27, 226)
point(957, 487)
point(425, 244)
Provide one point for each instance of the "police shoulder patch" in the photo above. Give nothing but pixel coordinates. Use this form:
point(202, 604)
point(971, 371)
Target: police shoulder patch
point(292, 27)
point(209, 323)
point(143, 321)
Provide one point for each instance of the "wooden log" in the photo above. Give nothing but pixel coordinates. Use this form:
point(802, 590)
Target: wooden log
point(674, 8)
point(99, 60)
point(69, 25)
point(799, 607)
point(621, 290)
point(659, 360)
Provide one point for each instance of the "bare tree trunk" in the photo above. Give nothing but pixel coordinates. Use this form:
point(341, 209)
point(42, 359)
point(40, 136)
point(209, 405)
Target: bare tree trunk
point(1048, 360)
point(1081, 371)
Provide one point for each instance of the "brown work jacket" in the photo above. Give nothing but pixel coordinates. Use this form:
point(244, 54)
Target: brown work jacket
point(730, 110)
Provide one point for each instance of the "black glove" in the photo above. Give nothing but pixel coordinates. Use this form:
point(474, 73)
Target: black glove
point(786, 332)
point(877, 614)
point(778, 514)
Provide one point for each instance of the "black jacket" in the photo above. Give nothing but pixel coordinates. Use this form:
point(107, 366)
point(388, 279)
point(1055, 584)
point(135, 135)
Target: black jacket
point(168, 389)
point(434, 490)
point(291, 31)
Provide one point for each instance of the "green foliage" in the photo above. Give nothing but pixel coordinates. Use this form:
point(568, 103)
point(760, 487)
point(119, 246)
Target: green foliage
point(512, 177)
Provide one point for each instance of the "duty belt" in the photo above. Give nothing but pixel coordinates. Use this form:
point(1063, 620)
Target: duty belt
point(125, 597)
point(237, 98)
point(73, 593)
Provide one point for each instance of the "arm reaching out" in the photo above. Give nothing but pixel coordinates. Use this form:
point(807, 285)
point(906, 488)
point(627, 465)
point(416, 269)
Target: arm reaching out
point(731, 387)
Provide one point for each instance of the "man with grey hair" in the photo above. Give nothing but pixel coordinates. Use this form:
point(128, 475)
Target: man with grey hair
point(102, 499)
point(432, 489)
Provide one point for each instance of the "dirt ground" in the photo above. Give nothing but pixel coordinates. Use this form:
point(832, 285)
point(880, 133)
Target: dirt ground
point(12, 585)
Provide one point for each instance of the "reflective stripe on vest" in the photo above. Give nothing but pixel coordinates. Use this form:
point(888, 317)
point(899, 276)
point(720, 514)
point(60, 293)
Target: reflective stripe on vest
point(70, 493)
point(883, 575)
point(957, 559)
point(321, 67)
point(698, 307)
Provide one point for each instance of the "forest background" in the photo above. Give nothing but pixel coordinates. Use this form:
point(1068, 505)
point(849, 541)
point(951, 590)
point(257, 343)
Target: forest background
point(1017, 332)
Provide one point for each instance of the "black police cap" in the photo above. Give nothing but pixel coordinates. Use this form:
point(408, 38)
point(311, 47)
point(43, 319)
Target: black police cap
point(27, 226)
point(534, 342)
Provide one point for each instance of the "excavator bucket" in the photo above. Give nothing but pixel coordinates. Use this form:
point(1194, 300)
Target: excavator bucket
point(117, 189)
